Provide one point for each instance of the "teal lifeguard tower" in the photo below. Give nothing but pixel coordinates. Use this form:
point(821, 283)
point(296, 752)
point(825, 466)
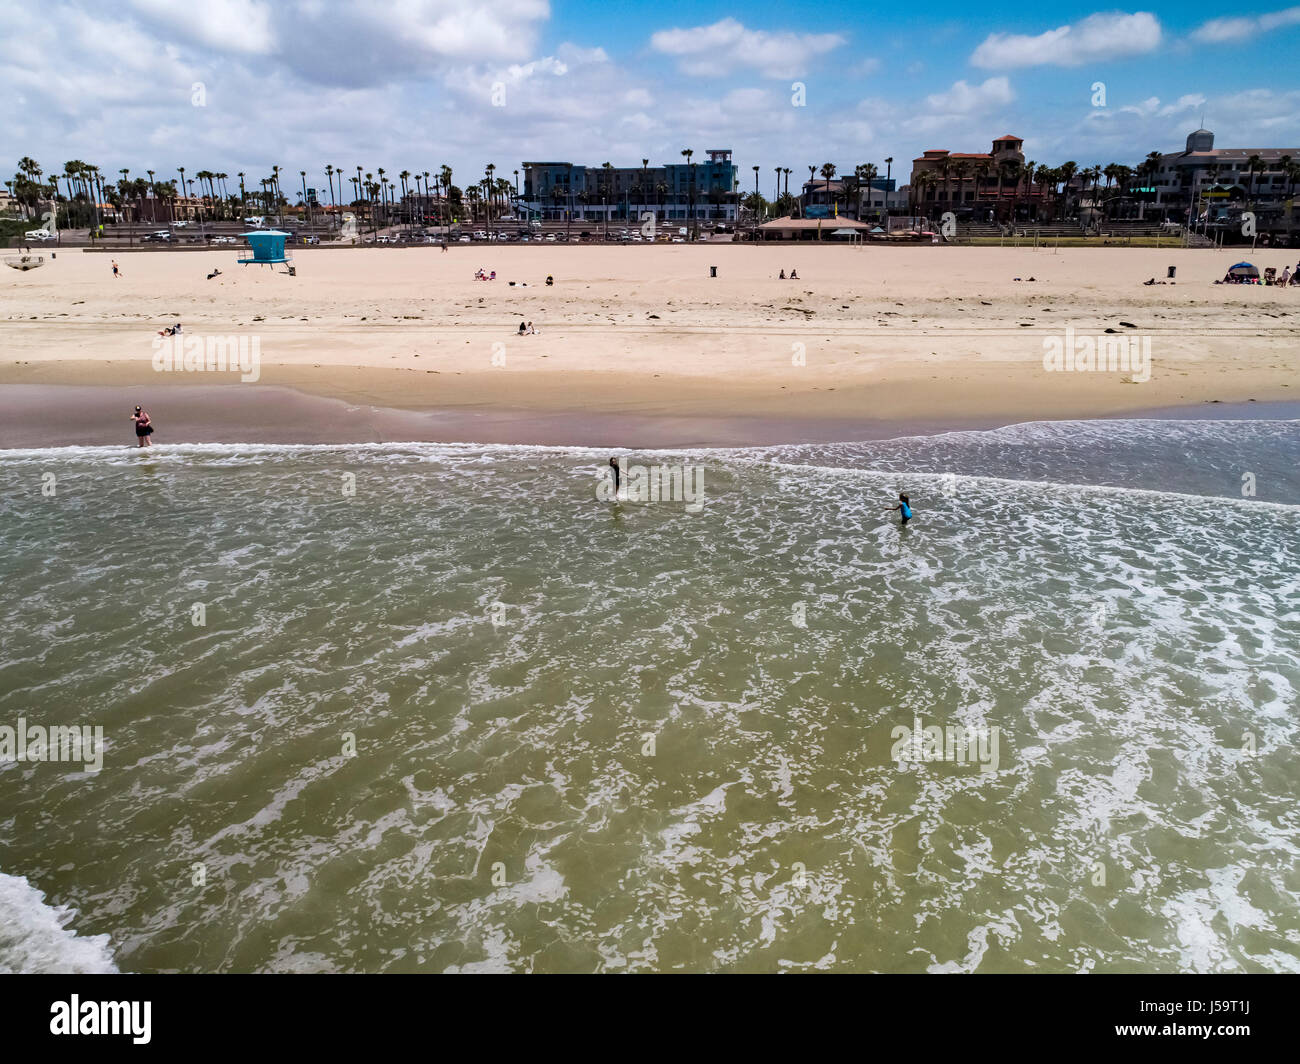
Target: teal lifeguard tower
point(267, 246)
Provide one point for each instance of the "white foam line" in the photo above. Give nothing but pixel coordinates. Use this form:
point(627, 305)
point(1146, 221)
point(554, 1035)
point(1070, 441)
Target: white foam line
point(1089, 423)
point(1100, 489)
point(108, 450)
point(236, 449)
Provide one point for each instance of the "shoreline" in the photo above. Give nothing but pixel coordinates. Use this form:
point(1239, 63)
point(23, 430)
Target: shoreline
point(631, 349)
point(264, 414)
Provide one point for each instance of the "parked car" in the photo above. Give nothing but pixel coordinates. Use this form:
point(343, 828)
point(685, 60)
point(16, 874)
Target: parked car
point(464, 240)
point(180, 225)
point(38, 234)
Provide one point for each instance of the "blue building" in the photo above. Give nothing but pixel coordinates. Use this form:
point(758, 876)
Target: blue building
point(700, 191)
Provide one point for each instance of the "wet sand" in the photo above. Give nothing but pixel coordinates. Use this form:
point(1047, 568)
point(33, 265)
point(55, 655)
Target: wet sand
point(637, 346)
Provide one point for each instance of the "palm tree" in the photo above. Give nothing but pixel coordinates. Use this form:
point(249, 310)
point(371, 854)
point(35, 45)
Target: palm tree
point(1066, 171)
point(1108, 171)
point(1011, 172)
point(869, 173)
point(828, 171)
point(181, 171)
point(1148, 170)
point(925, 182)
point(686, 154)
point(607, 167)
point(960, 170)
point(1027, 175)
point(1253, 164)
point(489, 170)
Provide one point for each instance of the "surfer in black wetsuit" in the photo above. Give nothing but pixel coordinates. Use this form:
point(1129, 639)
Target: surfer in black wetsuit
point(613, 464)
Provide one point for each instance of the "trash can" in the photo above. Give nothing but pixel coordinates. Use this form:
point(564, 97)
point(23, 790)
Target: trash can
point(713, 271)
point(1172, 271)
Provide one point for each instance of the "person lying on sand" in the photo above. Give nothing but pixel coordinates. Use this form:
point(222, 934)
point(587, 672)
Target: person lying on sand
point(214, 273)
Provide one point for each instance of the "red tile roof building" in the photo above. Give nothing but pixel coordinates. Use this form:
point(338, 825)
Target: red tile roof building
point(979, 182)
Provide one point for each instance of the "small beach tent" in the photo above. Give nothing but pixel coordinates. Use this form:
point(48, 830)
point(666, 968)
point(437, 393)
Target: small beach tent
point(1244, 269)
point(267, 246)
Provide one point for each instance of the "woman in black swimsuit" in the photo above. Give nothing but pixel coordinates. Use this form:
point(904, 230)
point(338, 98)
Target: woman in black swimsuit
point(143, 427)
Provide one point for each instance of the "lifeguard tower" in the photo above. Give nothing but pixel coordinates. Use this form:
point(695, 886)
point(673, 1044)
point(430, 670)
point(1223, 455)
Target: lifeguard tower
point(267, 246)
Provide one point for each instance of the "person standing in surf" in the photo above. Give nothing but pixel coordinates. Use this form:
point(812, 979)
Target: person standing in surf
point(143, 427)
point(613, 464)
point(902, 506)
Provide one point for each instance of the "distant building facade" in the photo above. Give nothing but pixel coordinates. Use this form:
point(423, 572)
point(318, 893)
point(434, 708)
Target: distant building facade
point(848, 197)
point(706, 190)
point(979, 185)
point(1203, 179)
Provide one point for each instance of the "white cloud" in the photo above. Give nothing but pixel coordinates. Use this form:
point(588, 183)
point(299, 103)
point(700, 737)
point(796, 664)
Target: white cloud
point(226, 25)
point(576, 55)
point(748, 100)
point(1222, 30)
point(1152, 107)
point(966, 99)
point(726, 45)
point(1097, 38)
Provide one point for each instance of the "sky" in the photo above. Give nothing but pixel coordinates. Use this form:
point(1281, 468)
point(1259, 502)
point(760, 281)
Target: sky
point(231, 85)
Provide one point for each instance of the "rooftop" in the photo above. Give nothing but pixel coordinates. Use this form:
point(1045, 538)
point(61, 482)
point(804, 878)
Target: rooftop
point(813, 223)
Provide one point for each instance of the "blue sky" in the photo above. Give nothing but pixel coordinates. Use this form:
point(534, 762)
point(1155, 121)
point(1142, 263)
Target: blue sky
point(240, 84)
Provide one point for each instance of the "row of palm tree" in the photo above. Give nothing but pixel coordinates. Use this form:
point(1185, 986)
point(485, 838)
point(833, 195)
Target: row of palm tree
point(81, 190)
point(422, 197)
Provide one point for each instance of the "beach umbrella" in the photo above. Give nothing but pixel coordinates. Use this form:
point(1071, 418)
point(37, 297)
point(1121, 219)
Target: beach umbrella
point(1244, 269)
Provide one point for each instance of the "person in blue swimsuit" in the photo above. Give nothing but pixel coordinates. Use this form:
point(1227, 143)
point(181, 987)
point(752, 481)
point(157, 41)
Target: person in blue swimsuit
point(904, 507)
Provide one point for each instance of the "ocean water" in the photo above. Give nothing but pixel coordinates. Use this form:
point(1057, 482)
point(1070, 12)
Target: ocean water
point(445, 710)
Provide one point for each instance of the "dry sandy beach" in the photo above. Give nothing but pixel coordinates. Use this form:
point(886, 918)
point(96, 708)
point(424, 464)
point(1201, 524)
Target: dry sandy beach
point(631, 341)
